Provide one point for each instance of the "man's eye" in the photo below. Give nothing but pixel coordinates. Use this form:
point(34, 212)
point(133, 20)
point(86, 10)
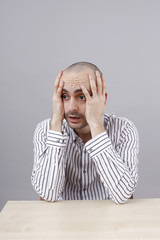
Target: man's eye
point(82, 97)
point(64, 96)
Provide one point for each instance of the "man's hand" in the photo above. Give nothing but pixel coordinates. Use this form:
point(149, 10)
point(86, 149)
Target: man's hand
point(96, 103)
point(57, 103)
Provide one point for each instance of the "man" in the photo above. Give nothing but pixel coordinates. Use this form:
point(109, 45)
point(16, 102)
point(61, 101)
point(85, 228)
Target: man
point(82, 153)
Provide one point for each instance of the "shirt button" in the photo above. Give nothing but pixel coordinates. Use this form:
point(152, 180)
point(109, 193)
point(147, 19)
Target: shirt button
point(84, 171)
point(84, 189)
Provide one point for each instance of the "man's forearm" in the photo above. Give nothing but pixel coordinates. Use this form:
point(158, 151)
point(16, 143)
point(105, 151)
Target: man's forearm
point(117, 168)
point(96, 128)
point(49, 165)
point(56, 125)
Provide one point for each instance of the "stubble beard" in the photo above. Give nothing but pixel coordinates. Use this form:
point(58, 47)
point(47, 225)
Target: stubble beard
point(73, 125)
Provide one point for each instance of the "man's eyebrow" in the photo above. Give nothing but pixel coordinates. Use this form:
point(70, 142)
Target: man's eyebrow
point(80, 90)
point(64, 90)
point(76, 91)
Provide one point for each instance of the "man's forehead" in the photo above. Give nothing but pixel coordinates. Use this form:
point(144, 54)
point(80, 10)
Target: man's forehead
point(72, 79)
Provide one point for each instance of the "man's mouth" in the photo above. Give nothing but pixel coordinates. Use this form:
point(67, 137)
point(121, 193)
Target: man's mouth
point(74, 119)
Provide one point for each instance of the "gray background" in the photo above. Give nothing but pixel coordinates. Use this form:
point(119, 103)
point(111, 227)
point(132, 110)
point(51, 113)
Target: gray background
point(38, 38)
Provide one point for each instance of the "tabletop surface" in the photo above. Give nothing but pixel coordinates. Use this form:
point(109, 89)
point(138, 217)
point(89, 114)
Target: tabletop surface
point(136, 219)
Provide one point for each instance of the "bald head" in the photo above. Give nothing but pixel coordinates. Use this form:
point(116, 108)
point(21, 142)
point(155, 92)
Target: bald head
point(81, 67)
point(78, 73)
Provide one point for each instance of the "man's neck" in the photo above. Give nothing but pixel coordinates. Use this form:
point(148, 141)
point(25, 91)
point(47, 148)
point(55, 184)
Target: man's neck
point(84, 135)
point(85, 138)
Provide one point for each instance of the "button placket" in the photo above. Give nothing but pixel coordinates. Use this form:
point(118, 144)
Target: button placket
point(84, 171)
point(80, 150)
point(84, 154)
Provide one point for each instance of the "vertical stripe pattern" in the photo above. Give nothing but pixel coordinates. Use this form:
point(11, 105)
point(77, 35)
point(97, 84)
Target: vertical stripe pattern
point(103, 168)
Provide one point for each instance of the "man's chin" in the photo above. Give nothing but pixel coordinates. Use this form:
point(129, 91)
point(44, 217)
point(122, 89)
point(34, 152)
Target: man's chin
point(75, 125)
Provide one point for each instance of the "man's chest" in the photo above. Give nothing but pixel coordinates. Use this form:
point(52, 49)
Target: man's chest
point(79, 164)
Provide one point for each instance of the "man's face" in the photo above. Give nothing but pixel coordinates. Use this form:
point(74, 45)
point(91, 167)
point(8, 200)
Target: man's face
point(74, 99)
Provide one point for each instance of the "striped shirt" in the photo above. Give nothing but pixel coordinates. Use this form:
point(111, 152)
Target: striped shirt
point(105, 167)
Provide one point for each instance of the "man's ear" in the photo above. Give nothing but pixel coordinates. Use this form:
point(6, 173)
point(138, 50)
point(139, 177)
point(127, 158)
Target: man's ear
point(106, 97)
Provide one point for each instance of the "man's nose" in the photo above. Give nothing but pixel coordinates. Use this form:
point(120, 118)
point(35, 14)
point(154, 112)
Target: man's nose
point(73, 105)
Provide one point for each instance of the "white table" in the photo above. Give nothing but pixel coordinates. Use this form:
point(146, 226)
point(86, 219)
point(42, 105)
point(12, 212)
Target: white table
point(136, 219)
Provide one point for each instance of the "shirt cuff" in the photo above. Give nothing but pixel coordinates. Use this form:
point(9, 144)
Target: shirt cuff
point(56, 139)
point(98, 144)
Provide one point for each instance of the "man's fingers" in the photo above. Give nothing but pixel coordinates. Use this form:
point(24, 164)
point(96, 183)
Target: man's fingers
point(92, 79)
point(103, 88)
point(59, 90)
point(103, 85)
point(99, 83)
point(57, 82)
point(86, 93)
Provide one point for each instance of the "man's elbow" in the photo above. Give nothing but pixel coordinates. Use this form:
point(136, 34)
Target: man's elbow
point(121, 200)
